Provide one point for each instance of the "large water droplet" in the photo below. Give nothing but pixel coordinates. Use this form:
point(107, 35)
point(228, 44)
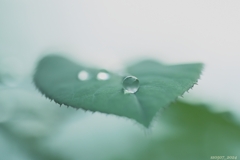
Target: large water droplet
point(103, 75)
point(130, 84)
point(83, 75)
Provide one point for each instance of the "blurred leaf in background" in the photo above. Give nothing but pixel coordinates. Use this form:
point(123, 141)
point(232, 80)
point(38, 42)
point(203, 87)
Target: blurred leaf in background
point(26, 120)
point(32, 127)
point(193, 132)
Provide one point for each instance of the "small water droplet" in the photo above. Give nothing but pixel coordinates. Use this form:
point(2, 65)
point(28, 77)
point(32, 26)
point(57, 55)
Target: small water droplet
point(130, 84)
point(83, 75)
point(103, 75)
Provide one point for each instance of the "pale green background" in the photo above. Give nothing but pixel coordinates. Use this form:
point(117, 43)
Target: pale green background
point(108, 33)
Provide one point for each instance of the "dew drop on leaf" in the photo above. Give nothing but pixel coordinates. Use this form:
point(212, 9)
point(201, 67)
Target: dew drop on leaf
point(103, 75)
point(130, 84)
point(83, 75)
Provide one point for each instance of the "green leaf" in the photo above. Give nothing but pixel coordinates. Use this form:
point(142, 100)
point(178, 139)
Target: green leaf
point(192, 132)
point(57, 78)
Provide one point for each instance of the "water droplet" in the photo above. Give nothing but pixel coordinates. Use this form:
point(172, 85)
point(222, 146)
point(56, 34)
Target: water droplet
point(83, 75)
point(130, 84)
point(103, 75)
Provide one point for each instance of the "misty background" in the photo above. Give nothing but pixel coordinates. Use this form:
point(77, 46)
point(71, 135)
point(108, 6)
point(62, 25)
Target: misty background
point(112, 33)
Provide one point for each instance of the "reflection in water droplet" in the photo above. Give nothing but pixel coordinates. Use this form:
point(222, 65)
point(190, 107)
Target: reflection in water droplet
point(130, 84)
point(103, 75)
point(83, 75)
